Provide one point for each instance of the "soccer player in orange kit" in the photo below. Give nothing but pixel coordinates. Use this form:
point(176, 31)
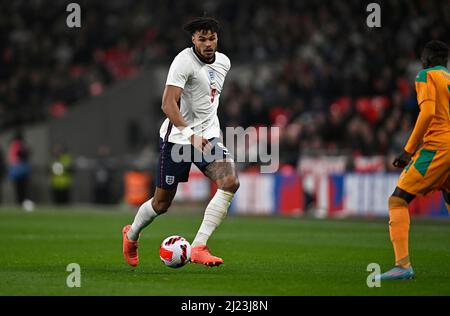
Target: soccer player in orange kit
point(426, 167)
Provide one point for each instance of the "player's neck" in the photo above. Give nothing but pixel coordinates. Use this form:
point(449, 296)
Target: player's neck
point(203, 59)
point(439, 66)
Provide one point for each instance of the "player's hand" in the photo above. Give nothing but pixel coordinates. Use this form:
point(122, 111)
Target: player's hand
point(200, 143)
point(402, 160)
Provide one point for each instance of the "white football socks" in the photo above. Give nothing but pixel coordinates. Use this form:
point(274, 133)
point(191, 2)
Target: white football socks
point(145, 215)
point(214, 214)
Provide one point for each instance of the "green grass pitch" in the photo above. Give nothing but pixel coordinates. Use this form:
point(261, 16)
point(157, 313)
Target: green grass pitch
point(263, 256)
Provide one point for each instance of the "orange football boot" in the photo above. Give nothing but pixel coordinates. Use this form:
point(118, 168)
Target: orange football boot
point(129, 248)
point(201, 254)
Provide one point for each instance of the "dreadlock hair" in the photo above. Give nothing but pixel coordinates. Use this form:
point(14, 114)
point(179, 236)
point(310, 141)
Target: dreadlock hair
point(437, 53)
point(202, 24)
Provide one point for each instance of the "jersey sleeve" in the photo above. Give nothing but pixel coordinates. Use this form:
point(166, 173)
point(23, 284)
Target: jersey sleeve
point(425, 87)
point(424, 119)
point(426, 98)
point(179, 72)
point(228, 63)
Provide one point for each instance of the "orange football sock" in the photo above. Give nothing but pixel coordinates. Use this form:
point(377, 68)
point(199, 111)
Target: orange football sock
point(399, 230)
point(448, 207)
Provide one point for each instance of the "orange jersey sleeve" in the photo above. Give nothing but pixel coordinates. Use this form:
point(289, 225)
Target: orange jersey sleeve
point(425, 88)
point(433, 123)
point(427, 110)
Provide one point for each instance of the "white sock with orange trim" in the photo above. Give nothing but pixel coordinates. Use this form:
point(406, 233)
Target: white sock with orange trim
point(144, 216)
point(215, 212)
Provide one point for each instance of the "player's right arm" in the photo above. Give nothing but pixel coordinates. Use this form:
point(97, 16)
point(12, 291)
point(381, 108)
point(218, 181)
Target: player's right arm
point(426, 98)
point(180, 72)
point(171, 98)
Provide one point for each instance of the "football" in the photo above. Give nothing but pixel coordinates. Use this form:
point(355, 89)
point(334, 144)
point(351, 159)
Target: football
point(175, 251)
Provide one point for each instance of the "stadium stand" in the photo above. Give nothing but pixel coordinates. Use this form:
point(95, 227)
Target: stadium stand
point(330, 94)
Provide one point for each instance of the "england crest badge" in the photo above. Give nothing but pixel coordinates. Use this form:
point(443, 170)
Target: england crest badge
point(170, 180)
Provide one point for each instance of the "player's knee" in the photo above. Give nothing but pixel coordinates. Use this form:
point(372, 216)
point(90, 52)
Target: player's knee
point(398, 213)
point(401, 195)
point(229, 184)
point(395, 201)
point(161, 206)
point(446, 199)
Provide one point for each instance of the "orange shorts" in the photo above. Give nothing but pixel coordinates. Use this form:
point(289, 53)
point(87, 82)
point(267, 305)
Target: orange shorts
point(428, 171)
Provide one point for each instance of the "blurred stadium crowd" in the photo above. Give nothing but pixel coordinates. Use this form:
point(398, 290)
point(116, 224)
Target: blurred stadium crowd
point(334, 85)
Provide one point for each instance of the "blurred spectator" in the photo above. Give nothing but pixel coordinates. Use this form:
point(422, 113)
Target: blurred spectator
point(348, 85)
point(103, 177)
point(2, 173)
point(289, 145)
point(61, 169)
point(18, 166)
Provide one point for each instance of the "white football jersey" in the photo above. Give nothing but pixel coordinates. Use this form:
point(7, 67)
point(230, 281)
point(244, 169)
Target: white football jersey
point(202, 85)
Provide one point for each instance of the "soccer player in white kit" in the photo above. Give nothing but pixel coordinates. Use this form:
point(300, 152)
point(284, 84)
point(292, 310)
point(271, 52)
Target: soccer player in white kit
point(190, 101)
